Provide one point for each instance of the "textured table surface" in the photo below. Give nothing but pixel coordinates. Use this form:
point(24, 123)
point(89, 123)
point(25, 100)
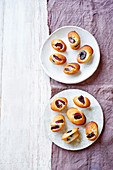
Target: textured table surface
point(24, 87)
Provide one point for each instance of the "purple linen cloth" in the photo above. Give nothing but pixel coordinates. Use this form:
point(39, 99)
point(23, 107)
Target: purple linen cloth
point(96, 17)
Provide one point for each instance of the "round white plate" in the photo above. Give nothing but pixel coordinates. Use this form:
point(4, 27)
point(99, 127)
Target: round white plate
point(93, 113)
point(56, 71)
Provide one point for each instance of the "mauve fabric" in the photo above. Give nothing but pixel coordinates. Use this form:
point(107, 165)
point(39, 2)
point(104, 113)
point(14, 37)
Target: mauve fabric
point(96, 16)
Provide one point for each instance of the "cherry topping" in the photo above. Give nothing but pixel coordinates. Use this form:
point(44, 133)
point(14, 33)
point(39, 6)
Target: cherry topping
point(53, 61)
point(59, 103)
point(55, 127)
point(59, 45)
point(82, 54)
point(81, 99)
point(59, 121)
point(91, 135)
point(71, 40)
point(68, 69)
point(71, 135)
point(71, 66)
point(69, 131)
point(76, 45)
point(77, 116)
point(57, 58)
point(69, 138)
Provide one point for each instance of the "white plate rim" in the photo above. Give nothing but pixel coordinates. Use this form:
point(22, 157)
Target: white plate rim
point(47, 72)
point(102, 120)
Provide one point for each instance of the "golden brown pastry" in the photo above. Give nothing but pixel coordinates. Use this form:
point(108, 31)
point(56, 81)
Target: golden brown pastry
point(84, 54)
point(57, 123)
point(92, 130)
point(76, 116)
point(74, 40)
point(81, 101)
point(59, 45)
point(71, 135)
point(59, 104)
point(57, 59)
point(71, 68)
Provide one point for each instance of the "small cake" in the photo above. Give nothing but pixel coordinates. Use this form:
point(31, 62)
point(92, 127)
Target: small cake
point(84, 54)
point(71, 135)
point(71, 68)
point(59, 45)
point(81, 101)
point(59, 104)
point(57, 59)
point(74, 40)
point(57, 123)
point(92, 130)
point(76, 116)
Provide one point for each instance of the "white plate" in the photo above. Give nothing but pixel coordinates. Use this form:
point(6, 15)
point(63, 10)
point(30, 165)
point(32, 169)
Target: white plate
point(56, 71)
point(93, 113)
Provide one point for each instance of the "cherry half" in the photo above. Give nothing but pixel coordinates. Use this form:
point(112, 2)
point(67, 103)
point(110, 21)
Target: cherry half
point(59, 45)
point(71, 40)
point(55, 127)
point(60, 121)
point(82, 54)
point(81, 99)
point(91, 135)
point(57, 103)
point(57, 58)
point(77, 116)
